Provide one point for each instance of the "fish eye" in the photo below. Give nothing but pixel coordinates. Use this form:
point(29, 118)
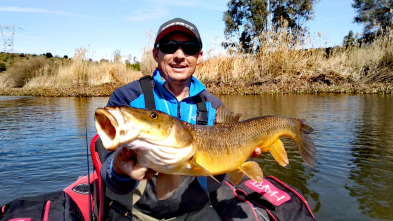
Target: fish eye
point(153, 115)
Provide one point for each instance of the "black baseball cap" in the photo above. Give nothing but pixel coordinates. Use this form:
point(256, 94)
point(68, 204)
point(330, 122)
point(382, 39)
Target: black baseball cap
point(177, 24)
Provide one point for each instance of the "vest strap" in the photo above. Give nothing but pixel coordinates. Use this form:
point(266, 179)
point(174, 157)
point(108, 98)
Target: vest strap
point(202, 118)
point(147, 89)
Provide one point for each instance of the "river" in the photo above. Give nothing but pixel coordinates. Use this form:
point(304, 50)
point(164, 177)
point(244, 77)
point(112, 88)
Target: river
point(43, 148)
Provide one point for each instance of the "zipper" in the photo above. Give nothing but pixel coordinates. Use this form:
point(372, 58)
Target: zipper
point(178, 110)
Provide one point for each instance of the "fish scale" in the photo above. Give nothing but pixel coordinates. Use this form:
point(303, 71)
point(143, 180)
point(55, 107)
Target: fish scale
point(233, 143)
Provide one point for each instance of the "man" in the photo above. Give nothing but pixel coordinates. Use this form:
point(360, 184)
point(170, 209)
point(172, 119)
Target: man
point(177, 50)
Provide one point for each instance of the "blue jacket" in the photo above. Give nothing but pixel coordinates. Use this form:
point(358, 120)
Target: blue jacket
point(131, 95)
point(181, 201)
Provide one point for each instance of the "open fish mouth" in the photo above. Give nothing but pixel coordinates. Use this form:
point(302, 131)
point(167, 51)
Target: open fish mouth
point(112, 127)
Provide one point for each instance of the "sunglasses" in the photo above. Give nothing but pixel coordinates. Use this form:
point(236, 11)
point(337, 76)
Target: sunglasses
point(170, 47)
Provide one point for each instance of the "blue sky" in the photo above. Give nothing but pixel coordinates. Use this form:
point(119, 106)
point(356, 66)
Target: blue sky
point(102, 27)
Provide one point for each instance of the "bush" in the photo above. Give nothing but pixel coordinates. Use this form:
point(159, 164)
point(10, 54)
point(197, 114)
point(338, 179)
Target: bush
point(49, 55)
point(135, 67)
point(24, 70)
point(3, 67)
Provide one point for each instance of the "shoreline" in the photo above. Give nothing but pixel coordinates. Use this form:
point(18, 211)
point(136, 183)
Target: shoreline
point(216, 88)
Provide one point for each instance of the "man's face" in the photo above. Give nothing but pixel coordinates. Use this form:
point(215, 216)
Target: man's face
point(179, 66)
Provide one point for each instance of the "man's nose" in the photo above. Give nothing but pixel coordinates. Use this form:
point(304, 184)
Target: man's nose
point(179, 53)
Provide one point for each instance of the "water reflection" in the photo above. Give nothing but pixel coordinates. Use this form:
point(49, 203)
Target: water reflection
point(43, 143)
point(354, 143)
point(43, 148)
point(372, 172)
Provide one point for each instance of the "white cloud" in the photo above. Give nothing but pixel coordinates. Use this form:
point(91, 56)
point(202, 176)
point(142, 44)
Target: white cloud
point(35, 10)
point(148, 13)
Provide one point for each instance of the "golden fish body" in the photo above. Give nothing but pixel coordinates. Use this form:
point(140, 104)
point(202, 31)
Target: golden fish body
point(222, 148)
point(171, 146)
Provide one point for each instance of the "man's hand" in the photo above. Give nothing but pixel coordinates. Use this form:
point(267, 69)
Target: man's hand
point(124, 162)
point(256, 153)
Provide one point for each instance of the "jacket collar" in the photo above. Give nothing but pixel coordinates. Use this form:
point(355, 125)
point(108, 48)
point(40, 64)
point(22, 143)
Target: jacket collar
point(196, 86)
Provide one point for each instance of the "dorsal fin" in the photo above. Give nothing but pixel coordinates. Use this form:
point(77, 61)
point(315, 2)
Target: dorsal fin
point(224, 115)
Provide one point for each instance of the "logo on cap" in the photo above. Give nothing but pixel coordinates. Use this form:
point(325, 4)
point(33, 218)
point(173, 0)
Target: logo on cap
point(178, 23)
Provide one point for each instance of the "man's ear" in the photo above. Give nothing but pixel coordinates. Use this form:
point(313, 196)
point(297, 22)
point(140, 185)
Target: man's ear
point(155, 54)
point(200, 55)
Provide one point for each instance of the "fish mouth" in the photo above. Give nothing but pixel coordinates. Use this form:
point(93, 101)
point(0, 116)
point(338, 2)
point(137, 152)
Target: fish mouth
point(109, 124)
point(106, 125)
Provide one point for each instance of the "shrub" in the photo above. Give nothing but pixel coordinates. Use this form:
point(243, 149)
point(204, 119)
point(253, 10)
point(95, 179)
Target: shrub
point(22, 71)
point(3, 67)
point(135, 66)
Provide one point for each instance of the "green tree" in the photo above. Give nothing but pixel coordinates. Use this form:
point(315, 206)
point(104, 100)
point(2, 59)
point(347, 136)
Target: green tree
point(350, 39)
point(374, 14)
point(49, 55)
point(247, 19)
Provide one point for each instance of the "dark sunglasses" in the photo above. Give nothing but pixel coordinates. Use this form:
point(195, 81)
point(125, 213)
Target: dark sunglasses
point(170, 47)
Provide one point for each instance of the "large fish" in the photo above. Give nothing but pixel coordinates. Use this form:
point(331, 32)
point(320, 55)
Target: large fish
point(173, 147)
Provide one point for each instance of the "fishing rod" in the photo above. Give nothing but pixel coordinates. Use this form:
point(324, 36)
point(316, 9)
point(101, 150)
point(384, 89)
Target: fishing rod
point(91, 217)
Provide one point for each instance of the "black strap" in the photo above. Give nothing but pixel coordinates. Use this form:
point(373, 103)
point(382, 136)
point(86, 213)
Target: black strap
point(148, 92)
point(202, 110)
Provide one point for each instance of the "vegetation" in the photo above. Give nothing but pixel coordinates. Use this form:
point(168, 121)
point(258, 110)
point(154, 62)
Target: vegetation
point(247, 20)
point(274, 54)
point(48, 76)
point(376, 15)
point(279, 67)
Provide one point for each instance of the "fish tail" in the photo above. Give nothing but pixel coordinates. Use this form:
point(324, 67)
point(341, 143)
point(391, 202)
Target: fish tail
point(305, 144)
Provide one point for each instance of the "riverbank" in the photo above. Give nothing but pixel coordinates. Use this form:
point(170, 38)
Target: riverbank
point(218, 88)
point(82, 91)
point(281, 66)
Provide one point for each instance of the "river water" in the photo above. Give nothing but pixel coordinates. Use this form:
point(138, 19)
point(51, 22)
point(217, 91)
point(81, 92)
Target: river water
point(43, 148)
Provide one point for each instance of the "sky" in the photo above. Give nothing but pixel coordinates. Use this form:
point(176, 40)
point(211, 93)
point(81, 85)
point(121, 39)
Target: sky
point(104, 27)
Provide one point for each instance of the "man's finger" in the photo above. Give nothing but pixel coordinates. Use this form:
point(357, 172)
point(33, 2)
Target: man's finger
point(138, 172)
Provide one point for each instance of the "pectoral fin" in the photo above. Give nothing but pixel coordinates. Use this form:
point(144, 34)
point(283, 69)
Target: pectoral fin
point(252, 170)
point(192, 161)
point(279, 154)
point(166, 184)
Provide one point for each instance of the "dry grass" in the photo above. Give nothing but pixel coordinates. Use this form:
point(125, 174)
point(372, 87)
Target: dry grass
point(72, 75)
point(284, 66)
point(281, 66)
